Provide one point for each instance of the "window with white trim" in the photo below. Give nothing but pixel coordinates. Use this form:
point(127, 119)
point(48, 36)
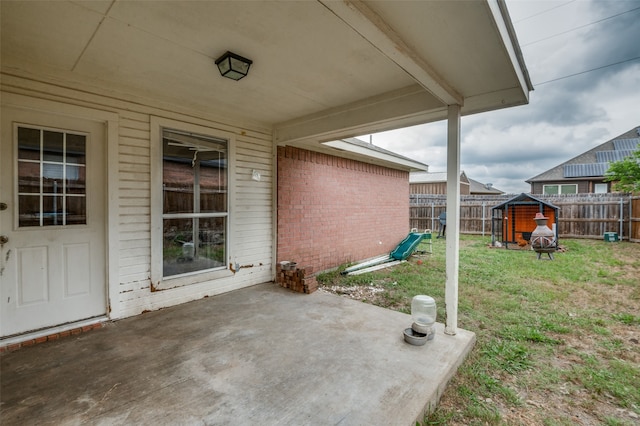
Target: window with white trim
point(51, 167)
point(560, 189)
point(600, 188)
point(194, 203)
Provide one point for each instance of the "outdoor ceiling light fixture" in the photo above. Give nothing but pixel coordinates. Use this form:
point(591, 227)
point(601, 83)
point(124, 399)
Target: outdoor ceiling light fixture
point(233, 66)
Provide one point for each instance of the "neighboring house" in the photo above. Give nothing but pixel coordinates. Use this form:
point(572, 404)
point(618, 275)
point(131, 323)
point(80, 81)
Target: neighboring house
point(585, 173)
point(479, 188)
point(435, 183)
point(134, 176)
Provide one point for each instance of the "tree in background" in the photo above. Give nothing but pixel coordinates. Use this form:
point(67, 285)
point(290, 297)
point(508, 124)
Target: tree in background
point(625, 174)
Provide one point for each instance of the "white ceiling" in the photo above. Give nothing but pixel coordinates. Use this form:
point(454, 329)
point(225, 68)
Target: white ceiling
point(321, 69)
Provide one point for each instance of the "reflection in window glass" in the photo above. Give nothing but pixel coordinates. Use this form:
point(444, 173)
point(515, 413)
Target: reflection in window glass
point(194, 203)
point(182, 254)
point(53, 146)
point(569, 189)
point(29, 208)
point(75, 181)
point(76, 208)
point(28, 177)
point(51, 178)
point(28, 144)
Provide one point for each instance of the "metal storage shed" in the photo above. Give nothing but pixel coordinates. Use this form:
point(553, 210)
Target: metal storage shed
point(512, 221)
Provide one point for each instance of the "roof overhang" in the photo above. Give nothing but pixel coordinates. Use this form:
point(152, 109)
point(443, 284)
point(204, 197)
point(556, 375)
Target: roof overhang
point(374, 155)
point(322, 70)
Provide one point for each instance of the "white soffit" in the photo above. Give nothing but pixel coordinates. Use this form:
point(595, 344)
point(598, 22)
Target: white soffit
point(322, 70)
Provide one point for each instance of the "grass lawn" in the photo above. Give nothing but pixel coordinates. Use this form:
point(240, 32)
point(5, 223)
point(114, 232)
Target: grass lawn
point(557, 341)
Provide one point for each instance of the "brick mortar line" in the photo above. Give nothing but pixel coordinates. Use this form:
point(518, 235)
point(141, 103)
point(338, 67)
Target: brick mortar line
point(51, 337)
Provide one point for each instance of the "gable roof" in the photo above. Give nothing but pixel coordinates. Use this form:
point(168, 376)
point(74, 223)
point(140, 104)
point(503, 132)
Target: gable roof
point(594, 162)
point(434, 177)
point(476, 187)
point(523, 198)
point(360, 150)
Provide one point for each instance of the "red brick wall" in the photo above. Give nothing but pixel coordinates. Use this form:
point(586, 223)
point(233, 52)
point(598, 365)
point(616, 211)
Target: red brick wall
point(333, 210)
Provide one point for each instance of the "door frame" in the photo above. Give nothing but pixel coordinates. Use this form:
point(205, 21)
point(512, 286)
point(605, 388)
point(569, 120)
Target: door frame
point(110, 120)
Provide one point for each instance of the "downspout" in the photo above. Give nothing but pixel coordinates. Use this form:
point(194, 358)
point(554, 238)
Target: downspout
point(453, 219)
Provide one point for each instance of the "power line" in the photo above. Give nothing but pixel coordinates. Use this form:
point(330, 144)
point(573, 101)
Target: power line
point(581, 26)
point(544, 11)
point(587, 71)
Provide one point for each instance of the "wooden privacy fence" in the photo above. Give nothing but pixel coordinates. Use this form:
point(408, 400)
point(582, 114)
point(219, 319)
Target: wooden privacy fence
point(581, 215)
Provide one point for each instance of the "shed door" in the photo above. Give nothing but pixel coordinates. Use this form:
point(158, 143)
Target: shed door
point(52, 264)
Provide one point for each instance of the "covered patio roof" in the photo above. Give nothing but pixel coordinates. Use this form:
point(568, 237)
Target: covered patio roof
point(322, 70)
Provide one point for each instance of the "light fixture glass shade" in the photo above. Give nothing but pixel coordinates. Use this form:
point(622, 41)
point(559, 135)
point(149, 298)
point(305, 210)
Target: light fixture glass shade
point(233, 66)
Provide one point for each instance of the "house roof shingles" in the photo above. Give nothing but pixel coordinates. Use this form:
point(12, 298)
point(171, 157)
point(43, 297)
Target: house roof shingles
point(588, 163)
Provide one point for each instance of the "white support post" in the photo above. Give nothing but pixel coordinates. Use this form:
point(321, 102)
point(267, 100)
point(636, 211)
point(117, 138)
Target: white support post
point(453, 219)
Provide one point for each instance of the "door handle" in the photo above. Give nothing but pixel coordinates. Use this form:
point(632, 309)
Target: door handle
point(4, 239)
point(3, 206)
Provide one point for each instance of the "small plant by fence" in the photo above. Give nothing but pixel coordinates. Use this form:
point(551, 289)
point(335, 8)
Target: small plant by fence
point(581, 215)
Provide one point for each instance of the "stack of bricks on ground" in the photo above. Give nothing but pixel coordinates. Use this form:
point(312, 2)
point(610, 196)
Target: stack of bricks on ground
point(297, 279)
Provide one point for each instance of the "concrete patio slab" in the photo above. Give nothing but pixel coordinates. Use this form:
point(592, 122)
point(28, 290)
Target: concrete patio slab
point(260, 355)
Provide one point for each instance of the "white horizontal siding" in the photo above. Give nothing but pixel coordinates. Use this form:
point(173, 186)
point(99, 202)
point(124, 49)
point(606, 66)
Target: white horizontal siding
point(251, 237)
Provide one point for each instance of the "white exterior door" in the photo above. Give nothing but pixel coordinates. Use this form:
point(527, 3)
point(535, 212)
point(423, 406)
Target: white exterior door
point(52, 220)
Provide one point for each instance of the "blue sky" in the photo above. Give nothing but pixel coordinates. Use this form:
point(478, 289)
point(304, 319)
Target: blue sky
point(564, 117)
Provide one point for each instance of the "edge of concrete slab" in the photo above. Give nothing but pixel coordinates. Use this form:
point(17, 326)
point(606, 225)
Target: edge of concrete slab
point(468, 341)
point(260, 354)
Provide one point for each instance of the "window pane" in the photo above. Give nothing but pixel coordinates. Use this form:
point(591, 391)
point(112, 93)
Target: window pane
point(569, 189)
point(28, 144)
point(76, 210)
point(212, 201)
point(600, 188)
point(191, 245)
point(213, 186)
point(551, 189)
point(52, 146)
point(29, 210)
point(76, 146)
point(52, 210)
point(75, 182)
point(194, 173)
point(52, 179)
point(28, 177)
point(178, 182)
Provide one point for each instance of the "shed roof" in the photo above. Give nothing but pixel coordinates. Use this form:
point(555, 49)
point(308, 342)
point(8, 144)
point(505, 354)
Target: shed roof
point(523, 198)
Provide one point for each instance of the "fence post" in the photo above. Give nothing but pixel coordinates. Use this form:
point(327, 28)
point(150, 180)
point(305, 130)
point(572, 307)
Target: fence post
point(630, 217)
point(483, 216)
point(621, 216)
point(432, 213)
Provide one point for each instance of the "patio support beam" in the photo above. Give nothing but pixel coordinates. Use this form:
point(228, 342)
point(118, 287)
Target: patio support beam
point(366, 22)
point(399, 108)
point(453, 219)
